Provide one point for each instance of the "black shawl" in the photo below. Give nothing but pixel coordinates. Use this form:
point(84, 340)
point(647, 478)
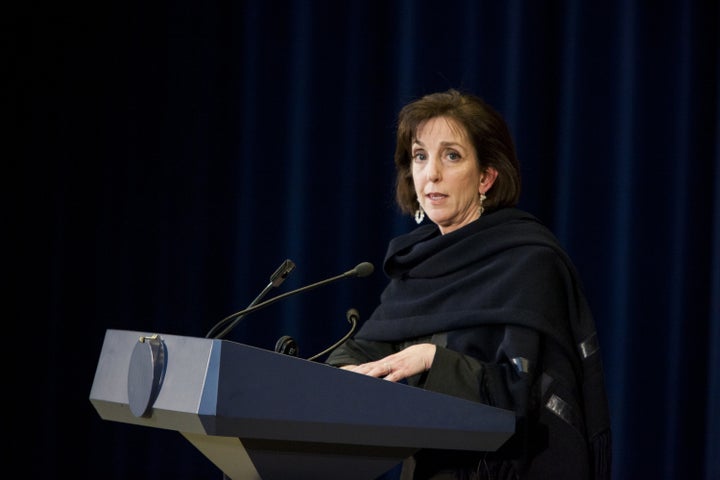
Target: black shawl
point(503, 270)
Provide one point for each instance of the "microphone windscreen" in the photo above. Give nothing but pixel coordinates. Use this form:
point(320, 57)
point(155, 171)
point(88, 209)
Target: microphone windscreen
point(364, 269)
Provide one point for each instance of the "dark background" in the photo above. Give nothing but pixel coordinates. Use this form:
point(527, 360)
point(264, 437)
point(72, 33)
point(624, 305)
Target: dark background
point(166, 157)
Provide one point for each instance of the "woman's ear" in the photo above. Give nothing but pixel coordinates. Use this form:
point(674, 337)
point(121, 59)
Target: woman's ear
point(487, 179)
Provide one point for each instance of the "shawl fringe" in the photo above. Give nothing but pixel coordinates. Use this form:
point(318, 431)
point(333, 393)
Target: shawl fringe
point(601, 450)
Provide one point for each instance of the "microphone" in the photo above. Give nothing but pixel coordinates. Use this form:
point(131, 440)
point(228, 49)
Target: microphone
point(276, 279)
point(361, 270)
point(287, 346)
point(352, 316)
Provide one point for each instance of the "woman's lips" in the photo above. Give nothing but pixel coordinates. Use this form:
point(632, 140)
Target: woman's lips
point(435, 196)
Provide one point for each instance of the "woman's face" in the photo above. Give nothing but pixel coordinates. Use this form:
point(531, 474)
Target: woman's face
point(445, 171)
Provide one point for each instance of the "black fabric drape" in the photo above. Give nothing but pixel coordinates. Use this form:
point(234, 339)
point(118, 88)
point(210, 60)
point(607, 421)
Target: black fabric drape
point(171, 155)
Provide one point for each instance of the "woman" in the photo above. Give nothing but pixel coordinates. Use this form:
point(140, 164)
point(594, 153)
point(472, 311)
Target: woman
point(483, 303)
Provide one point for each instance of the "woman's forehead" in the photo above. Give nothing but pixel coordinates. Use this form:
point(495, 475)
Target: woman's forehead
point(431, 125)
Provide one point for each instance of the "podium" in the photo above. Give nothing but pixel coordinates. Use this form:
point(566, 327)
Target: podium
point(257, 414)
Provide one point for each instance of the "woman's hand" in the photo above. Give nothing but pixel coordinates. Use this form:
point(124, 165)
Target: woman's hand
point(398, 366)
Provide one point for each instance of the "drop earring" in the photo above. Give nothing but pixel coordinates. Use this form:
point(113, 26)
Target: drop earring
point(481, 209)
point(419, 215)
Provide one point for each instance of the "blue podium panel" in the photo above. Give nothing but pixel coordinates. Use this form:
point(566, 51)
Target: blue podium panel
point(259, 414)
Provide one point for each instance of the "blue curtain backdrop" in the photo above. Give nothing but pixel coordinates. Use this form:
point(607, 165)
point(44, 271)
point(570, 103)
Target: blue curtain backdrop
point(174, 153)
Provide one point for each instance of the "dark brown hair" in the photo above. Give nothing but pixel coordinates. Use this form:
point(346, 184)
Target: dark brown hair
point(488, 134)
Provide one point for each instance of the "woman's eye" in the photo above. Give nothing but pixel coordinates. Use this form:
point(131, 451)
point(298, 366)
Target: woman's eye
point(453, 156)
point(419, 156)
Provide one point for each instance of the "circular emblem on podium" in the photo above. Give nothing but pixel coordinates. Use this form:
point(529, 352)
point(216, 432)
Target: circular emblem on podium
point(145, 375)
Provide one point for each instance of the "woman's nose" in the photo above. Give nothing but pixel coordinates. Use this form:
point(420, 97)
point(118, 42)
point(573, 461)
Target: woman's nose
point(433, 171)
